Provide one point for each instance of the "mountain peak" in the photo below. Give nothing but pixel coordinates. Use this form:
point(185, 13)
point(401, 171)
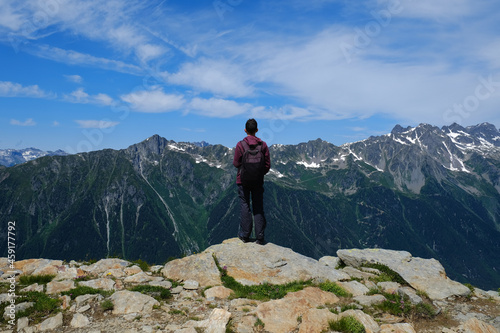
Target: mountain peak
point(398, 129)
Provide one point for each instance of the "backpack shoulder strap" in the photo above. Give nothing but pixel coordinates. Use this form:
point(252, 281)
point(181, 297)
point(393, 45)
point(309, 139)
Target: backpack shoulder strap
point(245, 145)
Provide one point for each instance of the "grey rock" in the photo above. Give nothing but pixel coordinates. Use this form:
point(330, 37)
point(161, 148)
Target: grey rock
point(191, 285)
point(366, 300)
point(51, 323)
point(85, 299)
point(9, 312)
point(79, 320)
point(354, 287)
point(126, 302)
point(199, 267)
point(164, 284)
point(330, 261)
point(427, 275)
point(55, 287)
point(22, 323)
point(102, 283)
point(177, 290)
point(251, 264)
point(411, 294)
point(356, 273)
point(105, 264)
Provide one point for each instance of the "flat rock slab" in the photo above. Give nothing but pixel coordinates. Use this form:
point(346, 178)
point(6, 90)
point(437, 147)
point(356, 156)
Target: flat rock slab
point(104, 265)
point(316, 320)
point(426, 275)
point(251, 264)
point(199, 267)
point(38, 266)
point(102, 283)
point(280, 316)
point(126, 302)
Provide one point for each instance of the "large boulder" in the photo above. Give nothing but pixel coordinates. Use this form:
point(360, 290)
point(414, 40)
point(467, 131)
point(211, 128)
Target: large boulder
point(199, 267)
point(56, 287)
point(216, 322)
point(132, 302)
point(426, 275)
point(102, 283)
point(104, 265)
point(251, 264)
point(38, 266)
point(281, 315)
point(51, 323)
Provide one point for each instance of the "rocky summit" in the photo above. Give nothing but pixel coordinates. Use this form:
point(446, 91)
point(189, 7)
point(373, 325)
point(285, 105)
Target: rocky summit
point(244, 287)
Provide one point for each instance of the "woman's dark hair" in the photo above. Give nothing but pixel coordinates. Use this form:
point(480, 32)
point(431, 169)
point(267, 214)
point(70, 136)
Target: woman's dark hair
point(251, 126)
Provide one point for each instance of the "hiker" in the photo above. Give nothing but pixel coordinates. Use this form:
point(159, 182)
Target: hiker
point(251, 157)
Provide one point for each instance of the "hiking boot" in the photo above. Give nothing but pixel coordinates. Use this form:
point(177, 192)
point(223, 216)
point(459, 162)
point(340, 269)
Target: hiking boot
point(260, 242)
point(244, 239)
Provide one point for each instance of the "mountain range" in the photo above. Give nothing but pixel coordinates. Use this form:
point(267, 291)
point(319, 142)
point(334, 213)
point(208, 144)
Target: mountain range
point(431, 191)
point(10, 157)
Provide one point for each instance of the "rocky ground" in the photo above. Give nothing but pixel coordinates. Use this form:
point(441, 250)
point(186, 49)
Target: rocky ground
point(237, 287)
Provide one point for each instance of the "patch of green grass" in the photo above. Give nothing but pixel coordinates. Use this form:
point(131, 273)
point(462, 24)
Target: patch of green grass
point(424, 310)
point(395, 305)
point(157, 292)
point(142, 264)
point(42, 307)
point(31, 279)
point(107, 305)
point(2, 310)
point(334, 288)
point(470, 286)
point(347, 324)
point(4, 287)
point(373, 291)
point(398, 305)
point(176, 312)
point(264, 291)
point(348, 307)
point(85, 278)
point(387, 274)
point(259, 324)
point(84, 290)
point(341, 265)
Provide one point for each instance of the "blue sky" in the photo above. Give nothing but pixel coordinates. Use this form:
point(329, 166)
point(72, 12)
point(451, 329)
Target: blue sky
point(89, 75)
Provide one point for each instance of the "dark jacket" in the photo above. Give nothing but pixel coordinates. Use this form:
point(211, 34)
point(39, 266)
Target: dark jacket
point(239, 150)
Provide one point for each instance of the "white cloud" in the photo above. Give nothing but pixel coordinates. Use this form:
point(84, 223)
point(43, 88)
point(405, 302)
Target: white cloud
point(103, 99)
point(77, 58)
point(11, 89)
point(286, 112)
point(443, 10)
point(100, 124)
point(219, 108)
point(8, 18)
point(146, 52)
point(27, 122)
point(489, 51)
point(118, 24)
point(215, 76)
point(154, 101)
point(74, 78)
point(79, 96)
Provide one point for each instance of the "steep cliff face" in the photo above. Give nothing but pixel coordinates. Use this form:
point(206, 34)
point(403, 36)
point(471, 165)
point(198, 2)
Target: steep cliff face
point(433, 192)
